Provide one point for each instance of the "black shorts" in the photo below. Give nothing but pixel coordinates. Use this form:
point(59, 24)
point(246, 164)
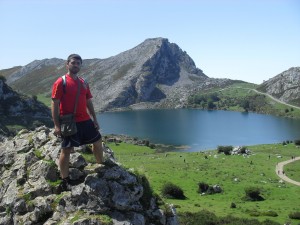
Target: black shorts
point(86, 134)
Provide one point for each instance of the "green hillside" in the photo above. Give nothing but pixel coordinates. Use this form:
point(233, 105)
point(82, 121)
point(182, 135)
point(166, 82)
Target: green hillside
point(241, 97)
point(234, 174)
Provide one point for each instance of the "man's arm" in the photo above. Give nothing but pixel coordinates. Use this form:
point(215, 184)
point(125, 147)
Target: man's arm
point(55, 116)
point(90, 107)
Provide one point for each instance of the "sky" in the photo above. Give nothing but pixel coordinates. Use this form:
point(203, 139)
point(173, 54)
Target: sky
point(249, 40)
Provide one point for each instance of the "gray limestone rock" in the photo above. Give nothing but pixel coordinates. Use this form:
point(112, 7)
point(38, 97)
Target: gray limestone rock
point(29, 192)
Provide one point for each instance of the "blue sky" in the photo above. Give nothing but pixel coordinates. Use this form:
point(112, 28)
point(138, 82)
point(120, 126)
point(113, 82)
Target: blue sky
point(250, 40)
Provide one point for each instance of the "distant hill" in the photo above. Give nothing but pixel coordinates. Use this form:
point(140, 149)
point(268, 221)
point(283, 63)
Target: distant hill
point(154, 74)
point(285, 86)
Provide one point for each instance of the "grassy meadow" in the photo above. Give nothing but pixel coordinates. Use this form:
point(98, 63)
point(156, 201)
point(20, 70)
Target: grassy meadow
point(233, 173)
point(44, 99)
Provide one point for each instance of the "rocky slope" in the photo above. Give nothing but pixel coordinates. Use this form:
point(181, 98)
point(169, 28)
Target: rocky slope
point(108, 194)
point(16, 109)
point(154, 74)
point(285, 86)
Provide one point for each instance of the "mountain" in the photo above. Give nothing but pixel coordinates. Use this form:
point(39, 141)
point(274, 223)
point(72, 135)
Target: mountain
point(19, 110)
point(107, 194)
point(154, 74)
point(285, 86)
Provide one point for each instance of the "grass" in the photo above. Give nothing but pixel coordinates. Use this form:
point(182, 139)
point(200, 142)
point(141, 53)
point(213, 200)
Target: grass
point(103, 219)
point(188, 169)
point(292, 170)
point(44, 99)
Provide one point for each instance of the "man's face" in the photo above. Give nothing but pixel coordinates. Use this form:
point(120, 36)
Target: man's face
point(74, 66)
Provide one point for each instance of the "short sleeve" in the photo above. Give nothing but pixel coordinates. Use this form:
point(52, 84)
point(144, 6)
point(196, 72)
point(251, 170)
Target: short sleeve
point(87, 87)
point(57, 89)
point(88, 93)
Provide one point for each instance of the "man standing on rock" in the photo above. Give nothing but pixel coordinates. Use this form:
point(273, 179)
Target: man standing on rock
point(63, 102)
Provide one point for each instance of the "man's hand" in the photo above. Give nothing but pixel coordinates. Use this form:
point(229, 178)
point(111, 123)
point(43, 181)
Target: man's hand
point(57, 131)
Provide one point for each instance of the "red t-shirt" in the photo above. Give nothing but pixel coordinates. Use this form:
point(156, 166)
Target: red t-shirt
point(67, 100)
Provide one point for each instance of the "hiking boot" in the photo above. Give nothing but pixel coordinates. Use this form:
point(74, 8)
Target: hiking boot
point(64, 186)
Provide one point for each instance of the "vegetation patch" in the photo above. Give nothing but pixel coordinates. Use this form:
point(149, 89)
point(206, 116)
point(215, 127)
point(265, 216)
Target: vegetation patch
point(295, 215)
point(54, 183)
point(148, 192)
point(38, 153)
point(205, 217)
point(297, 142)
point(103, 219)
point(241, 97)
point(256, 213)
point(225, 149)
point(51, 163)
point(170, 190)
point(89, 157)
point(57, 200)
point(253, 194)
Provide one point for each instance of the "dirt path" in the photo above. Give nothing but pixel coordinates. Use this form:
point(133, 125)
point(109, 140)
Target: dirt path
point(275, 99)
point(268, 95)
point(279, 168)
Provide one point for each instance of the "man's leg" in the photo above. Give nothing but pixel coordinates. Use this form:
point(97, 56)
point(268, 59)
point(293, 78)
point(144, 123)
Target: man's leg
point(98, 151)
point(63, 161)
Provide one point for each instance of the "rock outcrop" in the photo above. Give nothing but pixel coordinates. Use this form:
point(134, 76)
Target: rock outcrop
point(108, 194)
point(285, 86)
point(17, 109)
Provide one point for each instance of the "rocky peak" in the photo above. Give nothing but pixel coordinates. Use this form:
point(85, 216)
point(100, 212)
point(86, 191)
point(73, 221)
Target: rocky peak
point(154, 72)
point(145, 73)
point(108, 194)
point(285, 86)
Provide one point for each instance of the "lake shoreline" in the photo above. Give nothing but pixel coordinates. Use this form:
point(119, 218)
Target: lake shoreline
point(118, 138)
point(199, 130)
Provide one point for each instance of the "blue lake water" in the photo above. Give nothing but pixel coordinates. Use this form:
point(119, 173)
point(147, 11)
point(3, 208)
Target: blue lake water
point(200, 129)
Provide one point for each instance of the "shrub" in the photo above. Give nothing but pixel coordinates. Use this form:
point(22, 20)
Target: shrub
point(253, 194)
point(148, 192)
point(3, 78)
point(270, 213)
point(243, 149)
point(254, 213)
point(200, 218)
point(170, 190)
point(295, 215)
point(152, 146)
point(34, 98)
point(225, 149)
point(208, 218)
point(202, 187)
point(297, 142)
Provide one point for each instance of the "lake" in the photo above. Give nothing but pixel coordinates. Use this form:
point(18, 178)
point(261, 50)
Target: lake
point(200, 130)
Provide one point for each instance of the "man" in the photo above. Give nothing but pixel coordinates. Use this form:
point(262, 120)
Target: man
point(63, 102)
